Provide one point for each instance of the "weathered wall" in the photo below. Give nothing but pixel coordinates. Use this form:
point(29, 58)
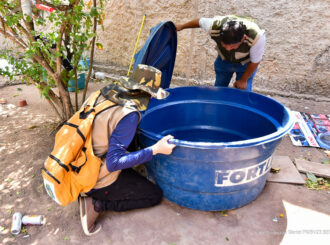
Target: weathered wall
point(297, 56)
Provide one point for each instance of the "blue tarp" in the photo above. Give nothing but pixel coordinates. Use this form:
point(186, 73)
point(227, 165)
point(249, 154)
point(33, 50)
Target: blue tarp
point(159, 51)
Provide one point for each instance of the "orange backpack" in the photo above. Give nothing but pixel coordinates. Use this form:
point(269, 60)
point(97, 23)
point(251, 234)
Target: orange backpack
point(72, 168)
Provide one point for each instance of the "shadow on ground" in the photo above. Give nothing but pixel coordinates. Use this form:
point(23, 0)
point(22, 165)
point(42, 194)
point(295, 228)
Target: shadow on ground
point(26, 140)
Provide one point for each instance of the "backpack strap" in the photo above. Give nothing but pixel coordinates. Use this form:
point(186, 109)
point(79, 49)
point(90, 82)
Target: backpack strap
point(104, 105)
point(83, 114)
point(77, 169)
point(78, 130)
point(91, 106)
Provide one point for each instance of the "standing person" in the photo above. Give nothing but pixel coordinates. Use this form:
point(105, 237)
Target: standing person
point(240, 45)
point(119, 187)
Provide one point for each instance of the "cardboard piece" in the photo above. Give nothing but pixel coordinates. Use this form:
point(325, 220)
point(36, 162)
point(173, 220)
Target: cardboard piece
point(288, 173)
point(318, 169)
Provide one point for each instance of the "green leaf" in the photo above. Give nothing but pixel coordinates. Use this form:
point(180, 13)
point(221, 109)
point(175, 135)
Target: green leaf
point(66, 238)
point(311, 177)
point(325, 161)
point(93, 12)
point(19, 89)
point(28, 18)
point(320, 181)
point(99, 46)
point(24, 230)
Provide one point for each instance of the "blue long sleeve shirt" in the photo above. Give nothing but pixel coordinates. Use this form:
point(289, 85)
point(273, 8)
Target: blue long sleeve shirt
point(117, 158)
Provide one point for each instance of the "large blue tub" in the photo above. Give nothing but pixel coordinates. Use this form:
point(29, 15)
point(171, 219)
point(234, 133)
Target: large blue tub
point(225, 141)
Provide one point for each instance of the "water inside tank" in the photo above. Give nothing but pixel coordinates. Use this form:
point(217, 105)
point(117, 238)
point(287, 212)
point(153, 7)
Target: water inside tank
point(208, 122)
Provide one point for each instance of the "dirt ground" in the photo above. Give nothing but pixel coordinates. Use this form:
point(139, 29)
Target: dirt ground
point(26, 140)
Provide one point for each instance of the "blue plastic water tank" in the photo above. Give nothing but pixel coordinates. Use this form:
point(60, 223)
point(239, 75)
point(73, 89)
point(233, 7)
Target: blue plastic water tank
point(80, 83)
point(225, 141)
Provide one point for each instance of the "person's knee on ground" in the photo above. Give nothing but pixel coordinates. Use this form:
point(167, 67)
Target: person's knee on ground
point(153, 199)
point(157, 196)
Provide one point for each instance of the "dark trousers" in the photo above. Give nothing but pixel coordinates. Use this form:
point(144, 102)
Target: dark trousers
point(129, 191)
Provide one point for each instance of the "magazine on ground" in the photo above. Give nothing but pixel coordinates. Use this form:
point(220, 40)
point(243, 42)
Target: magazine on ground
point(311, 130)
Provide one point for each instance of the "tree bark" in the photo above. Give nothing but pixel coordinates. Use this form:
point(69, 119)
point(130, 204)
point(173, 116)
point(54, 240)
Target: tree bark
point(91, 60)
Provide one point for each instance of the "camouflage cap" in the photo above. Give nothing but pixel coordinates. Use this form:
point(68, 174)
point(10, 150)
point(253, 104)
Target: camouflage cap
point(145, 78)
point(137, 89)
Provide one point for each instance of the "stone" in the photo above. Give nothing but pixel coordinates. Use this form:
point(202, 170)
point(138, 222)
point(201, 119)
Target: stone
point(318, 169)
point(288, 173)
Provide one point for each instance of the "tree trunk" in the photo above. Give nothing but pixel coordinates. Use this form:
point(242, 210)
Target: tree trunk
point(66, 101)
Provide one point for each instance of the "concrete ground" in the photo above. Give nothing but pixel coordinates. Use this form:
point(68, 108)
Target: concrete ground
point(282, 214)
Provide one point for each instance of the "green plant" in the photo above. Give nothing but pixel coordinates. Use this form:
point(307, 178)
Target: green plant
point(51, 44)
point(315, 183)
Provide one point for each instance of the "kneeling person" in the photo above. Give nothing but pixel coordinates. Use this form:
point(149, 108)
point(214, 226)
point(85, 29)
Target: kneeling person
point(119, 187)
